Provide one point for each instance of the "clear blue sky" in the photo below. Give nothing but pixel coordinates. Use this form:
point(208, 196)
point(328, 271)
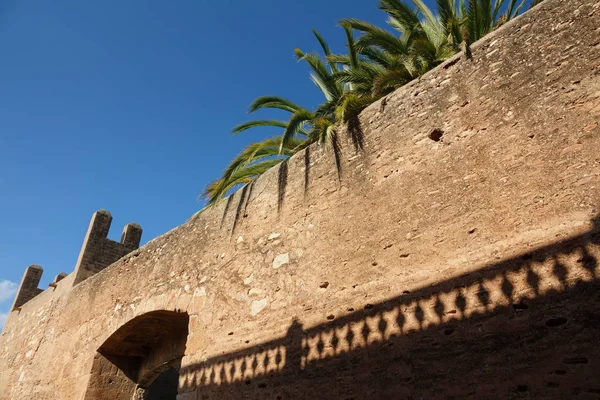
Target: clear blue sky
point(128, 105)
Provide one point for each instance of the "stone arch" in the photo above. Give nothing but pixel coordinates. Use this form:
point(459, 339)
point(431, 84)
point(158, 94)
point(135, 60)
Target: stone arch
point(141, 359)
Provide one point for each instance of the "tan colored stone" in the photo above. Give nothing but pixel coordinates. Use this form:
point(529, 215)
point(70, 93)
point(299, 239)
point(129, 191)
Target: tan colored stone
point(281, 260)
point(258, 305)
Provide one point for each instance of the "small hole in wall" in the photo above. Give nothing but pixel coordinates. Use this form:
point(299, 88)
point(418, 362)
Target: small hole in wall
point(324, 285)
point(248, 382)
point(560, 372)
point(262, 385)
point(330, 317)
point(405, 292)
point(554, 322)
point(350, 309)
point(436, 134)
point(448, 331)
point(230, 333)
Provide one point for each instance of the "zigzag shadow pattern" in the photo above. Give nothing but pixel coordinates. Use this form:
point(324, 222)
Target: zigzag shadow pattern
point(526, 327)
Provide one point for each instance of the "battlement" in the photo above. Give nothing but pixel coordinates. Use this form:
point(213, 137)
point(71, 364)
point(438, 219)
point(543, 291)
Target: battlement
point(28, 288)
point(98, 252)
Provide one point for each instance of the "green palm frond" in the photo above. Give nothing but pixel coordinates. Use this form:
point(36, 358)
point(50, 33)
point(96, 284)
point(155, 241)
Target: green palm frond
point(352, 55)
point(520, 7)
point(401, 16)
point(320, 75)
point(326, 108)
point(446, 12)
point(389, 80)
point(272, 102)
point(263, 123)
point(253, 160)
point(258, 123)
point(220, 187)
point(351, 106)
point(426, 12)
point(322, 42)
point(297, 121)
point(326, 49)
point(361, 79)
point(497, 7)
point(338, 59)
point(374, 36)
point(377, 56)
point(474, 20)
point(258, 150)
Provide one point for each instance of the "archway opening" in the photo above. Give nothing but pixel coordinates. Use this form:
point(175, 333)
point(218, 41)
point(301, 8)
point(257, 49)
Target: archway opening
point(141, 360)
point(164, 386)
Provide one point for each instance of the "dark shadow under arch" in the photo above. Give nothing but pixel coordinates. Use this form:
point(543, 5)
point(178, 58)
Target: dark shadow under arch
point(141, 360)
point(164, 386)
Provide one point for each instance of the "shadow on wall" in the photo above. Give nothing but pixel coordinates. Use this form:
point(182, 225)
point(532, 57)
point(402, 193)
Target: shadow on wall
point(525, 327)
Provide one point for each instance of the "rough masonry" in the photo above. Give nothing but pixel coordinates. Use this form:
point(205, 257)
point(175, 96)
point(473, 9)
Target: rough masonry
point(455, 257)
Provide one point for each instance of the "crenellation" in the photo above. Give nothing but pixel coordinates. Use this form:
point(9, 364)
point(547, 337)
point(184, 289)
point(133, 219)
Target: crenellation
point(96, 254)
point(98, 251)
point(131, 236)
point(59, 277)
point(28, 288)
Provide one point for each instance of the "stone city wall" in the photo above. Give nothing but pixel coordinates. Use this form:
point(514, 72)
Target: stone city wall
point(454, 256)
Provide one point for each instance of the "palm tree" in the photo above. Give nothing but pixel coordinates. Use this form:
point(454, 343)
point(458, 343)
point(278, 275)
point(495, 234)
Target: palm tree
point(303, 127)
point(252, 161)
point(395, 60)
point(376, 64)
point(369, 72)
point(424, 39)
point(314, 126)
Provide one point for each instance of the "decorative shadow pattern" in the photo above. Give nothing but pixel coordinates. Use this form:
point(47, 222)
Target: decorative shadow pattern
point(526, 326)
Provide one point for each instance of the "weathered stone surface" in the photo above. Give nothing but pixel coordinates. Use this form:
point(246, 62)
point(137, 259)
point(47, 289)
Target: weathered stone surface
point(418, 305)
point(280, 260)
point(258, 306)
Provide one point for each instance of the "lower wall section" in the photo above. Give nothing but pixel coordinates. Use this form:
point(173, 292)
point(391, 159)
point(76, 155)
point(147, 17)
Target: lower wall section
point(108, 382)
point(528, 327)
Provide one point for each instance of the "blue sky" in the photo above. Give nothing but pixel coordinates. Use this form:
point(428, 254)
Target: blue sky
point(128, 106)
